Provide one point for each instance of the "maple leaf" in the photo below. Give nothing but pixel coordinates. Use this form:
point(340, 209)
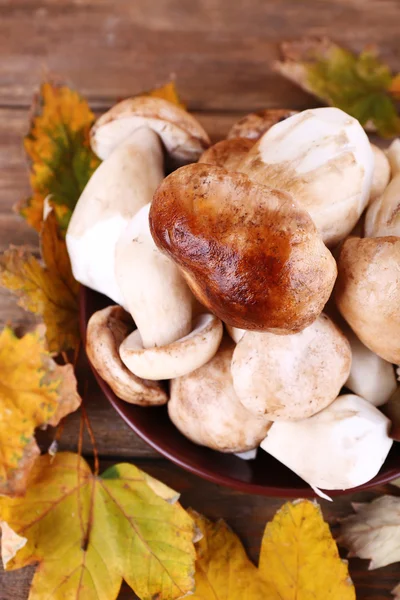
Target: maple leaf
point(374, 531)
point(46, 288)
point(361, 85)
point(59, 148)
point(299, 557)
point(34, 391)
point(167, 92)
point(121, 528)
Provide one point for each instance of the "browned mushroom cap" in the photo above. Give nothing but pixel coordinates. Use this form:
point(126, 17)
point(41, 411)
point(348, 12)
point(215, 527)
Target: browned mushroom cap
point(183, 137)
point(106, 330)
point(248, 252)
point(205, 408)
point(227, 153)
point(368, 292)
point(255, 124)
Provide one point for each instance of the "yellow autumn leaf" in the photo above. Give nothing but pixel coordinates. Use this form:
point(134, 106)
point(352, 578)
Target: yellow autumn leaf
point(167, 92)
point(46, 288)
point(89, 532)
point(223, 570)
point(34, 391)
point(299, 558)
point(59, 148)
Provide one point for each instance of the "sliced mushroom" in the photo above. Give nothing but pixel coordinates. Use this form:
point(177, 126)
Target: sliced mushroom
point(177, 358)
point(255, 124)
point(249, 253)
point(323, 157)
point(131, 138)
point(368, 293)
point(291, 377)
point(341, 447)
point(227, 153)
point(383, 215)
point(105, 332)
point(381, 173)
point(205, 408)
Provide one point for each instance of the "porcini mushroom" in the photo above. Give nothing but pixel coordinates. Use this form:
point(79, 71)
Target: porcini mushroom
point(368, 293)
point(291, 377)
point(227, 153)
point(341, 447)
point(255, 124)
point(323, 157)
point(205, 408)
point(383, 215)
point(165, 345)
point(381, 173)
point(131, 138)
point(393, 155)
point(249, 253)
point(105, 332)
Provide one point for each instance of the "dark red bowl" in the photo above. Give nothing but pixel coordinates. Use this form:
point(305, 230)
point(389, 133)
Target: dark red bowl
point(264, 475)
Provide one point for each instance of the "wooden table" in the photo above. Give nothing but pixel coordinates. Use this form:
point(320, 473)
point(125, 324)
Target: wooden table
point(222, 53)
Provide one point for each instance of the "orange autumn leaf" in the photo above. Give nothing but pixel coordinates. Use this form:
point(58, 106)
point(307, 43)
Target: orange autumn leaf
point(394, 87)
point(34, 392)
point(89, 532)
point(59, 149)
point(46, 288)
point(167, 92)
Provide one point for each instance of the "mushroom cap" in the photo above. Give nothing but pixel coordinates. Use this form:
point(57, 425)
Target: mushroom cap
point(249, 253)
point(255, 124)
point(370, 376)
point(105, 332)
point(341, 447)
point(182, 135)
point(178, 358)
point(368, 293)
point(383, 215)
point(291, 377)
point(393, 155)
point(381, 173)
point(153, 288)
point(324, 158)
point(204, 407)
point(227, 153)
point(119, 187)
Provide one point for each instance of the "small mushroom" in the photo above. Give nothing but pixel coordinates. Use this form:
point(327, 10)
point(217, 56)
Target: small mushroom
point(105, 332)
point(370, 376)
point(291, 377)
point(368, 293)
point(323, 157)
point(227, 153)
point(249, 253)
point(205, 408)
point(383, 215)
point(255, 124)
point(166, 344)
point(381, 173)
point(130, 138)
point(341, 447)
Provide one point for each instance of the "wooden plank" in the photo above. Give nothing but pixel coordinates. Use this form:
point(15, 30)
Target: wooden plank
point(221, 51)
point(247, 515)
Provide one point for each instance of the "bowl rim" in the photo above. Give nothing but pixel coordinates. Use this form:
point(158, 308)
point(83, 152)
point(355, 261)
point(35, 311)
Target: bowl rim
point(122, 408)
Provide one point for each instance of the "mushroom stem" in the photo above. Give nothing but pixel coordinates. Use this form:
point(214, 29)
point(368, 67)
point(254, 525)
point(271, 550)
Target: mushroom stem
point(121, 185)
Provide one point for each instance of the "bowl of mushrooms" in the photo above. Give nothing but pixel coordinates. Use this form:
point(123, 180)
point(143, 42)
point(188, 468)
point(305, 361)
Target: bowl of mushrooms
point(240, 302)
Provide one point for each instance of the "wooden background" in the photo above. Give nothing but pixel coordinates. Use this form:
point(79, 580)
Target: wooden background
point(222, 52)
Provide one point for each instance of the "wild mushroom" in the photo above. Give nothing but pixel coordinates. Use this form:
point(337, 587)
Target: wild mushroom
point(249, 253)
point(383, 215)
point(323, 157)
point(235, 333)
point(291, 377)
point(164, 345)
point(255, 124)
point(341, 447)
point(130, 137)
point(228, 154)
point(393, 155)
point(381, 173)
point(105, 332)
point(205, 408)
point(368, 293)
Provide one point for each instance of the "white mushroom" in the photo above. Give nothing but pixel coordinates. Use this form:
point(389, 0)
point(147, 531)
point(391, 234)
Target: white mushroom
point(381, 173)
point(131, 138)
point(106, 330)
point(341, 447)
point(323, 157)
point(205, 408)
point(370, 377)
point(291, 377)
point(383, 215)
point(393, 154)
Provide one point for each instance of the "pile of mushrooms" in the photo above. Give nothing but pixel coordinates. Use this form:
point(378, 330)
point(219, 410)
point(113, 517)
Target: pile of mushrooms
point(256, 282)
